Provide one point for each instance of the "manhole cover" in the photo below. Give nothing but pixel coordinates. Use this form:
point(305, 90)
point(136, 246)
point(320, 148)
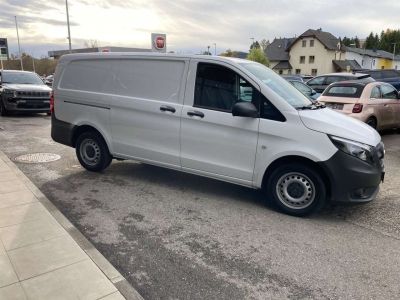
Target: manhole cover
point(34, 158)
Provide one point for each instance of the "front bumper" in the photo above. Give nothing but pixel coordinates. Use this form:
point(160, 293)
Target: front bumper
point(353, 180)
point(27, 104)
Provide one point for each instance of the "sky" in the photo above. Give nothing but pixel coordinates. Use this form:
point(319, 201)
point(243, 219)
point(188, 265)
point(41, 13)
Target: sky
point(190, 25)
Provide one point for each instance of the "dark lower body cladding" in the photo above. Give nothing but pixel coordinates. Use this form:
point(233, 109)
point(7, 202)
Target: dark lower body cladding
point(62, 132)
point(352, 180)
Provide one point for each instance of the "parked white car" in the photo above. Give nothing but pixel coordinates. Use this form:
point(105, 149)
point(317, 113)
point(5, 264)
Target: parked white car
point(224, 118)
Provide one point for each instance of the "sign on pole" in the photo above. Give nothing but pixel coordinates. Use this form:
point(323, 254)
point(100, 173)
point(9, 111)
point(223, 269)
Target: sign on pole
point(3, 49)
point(159, 42)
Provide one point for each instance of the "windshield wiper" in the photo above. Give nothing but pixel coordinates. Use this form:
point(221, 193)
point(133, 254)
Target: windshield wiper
point(312, 106)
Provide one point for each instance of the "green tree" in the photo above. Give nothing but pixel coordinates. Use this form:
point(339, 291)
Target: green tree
point(227, 53)
point(258, 55)
point(256, 44)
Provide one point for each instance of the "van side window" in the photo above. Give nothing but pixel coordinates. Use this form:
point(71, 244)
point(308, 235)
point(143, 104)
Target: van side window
point(219, 88)
point(269, 111)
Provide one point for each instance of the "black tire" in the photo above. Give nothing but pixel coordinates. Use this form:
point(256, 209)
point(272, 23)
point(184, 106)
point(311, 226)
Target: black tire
point(372, 122)
point(3, 110)
point(296, 189)
point(92, 151)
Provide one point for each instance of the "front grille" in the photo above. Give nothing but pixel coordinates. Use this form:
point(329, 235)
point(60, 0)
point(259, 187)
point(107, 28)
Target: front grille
point(33, 94)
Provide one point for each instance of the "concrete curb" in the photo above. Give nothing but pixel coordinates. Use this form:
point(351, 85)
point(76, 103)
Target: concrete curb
point(121, 284)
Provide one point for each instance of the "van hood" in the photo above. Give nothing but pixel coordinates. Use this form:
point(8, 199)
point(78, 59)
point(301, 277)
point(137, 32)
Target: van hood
point(330, 122)
point(27, 87)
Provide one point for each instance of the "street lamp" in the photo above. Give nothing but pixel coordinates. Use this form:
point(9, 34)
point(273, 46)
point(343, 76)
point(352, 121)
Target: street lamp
point(69, 31)
point(19, 47)
point(394, 50)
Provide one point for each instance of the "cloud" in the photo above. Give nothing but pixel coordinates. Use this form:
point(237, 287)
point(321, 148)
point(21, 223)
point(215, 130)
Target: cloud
point(191, 25)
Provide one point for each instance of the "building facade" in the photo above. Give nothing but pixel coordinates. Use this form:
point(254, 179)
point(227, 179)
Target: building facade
point(278, 55)
point(372, 59)
point(313, 53)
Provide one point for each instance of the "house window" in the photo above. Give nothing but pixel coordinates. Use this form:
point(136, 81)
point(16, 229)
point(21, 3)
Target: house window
point(302, 59)
point(311, 59)
point(383, 67)
point(314, 72)
point(280, 72)
point(311, 43)
point(362, 62)
point(298, 71)
point(373, 62)
point(304, 43)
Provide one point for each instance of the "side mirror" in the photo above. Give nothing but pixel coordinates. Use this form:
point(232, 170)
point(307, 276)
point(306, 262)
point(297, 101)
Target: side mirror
point(313, 92)
point(245, 109)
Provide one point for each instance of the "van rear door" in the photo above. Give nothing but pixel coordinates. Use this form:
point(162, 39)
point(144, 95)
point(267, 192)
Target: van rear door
point(213, 141)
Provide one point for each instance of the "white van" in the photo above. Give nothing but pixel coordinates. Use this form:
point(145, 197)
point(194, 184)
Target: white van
point(228, 119)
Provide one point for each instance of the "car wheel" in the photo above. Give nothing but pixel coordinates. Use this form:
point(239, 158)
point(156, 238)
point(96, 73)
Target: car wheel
point(372, 122)
point(92, 151)
point(296, 189)
point(3, 110)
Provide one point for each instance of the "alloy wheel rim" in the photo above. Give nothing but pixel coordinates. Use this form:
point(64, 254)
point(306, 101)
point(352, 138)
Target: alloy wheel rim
point(295, 190)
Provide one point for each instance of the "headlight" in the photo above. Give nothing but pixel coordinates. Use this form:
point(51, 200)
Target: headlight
point(10, 92)
point(359, 150)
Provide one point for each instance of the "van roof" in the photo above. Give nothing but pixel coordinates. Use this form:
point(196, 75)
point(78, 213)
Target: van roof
point(69, 57)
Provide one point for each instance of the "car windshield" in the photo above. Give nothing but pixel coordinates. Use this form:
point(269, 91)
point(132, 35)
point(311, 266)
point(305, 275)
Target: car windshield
point(21, 78)
point(279, 85)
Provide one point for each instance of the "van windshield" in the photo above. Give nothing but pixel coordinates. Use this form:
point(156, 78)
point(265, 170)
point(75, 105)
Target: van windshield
point(279, 85)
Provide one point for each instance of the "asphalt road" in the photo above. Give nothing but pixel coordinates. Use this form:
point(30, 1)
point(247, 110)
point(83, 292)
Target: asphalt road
point(178, 236)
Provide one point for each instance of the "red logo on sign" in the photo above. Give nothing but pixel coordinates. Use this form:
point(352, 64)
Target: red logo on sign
point(160, 42)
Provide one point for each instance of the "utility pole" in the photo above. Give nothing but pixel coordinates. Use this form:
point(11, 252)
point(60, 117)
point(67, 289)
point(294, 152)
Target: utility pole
point(215, 48)
point(33, 64)
point(19, 46)
point(252, 42)
point(69, 30)
point(394, 50)
point(208, 50)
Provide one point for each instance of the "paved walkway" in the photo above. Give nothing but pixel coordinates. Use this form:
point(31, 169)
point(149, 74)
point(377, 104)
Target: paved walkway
point(42, 255)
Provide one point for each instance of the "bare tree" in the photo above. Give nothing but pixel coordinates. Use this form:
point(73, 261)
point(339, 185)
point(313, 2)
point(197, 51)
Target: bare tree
point(91, 44)
point(264, 44)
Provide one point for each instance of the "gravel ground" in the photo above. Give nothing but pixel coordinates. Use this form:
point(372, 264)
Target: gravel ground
point(179, 236)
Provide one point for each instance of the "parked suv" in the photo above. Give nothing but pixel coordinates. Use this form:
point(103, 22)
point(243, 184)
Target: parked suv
point(224, 118)
point(320, 83)
point(389, 76)
point(24, 92)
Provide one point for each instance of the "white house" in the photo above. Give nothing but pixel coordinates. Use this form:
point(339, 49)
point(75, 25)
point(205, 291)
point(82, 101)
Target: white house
point(372, 59)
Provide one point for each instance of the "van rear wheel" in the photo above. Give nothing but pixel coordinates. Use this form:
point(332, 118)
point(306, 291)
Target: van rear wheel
point(92, 151)
point(296, 189)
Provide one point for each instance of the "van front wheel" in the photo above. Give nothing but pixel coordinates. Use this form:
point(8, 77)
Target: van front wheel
point(92, 151)
point(296, 189)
